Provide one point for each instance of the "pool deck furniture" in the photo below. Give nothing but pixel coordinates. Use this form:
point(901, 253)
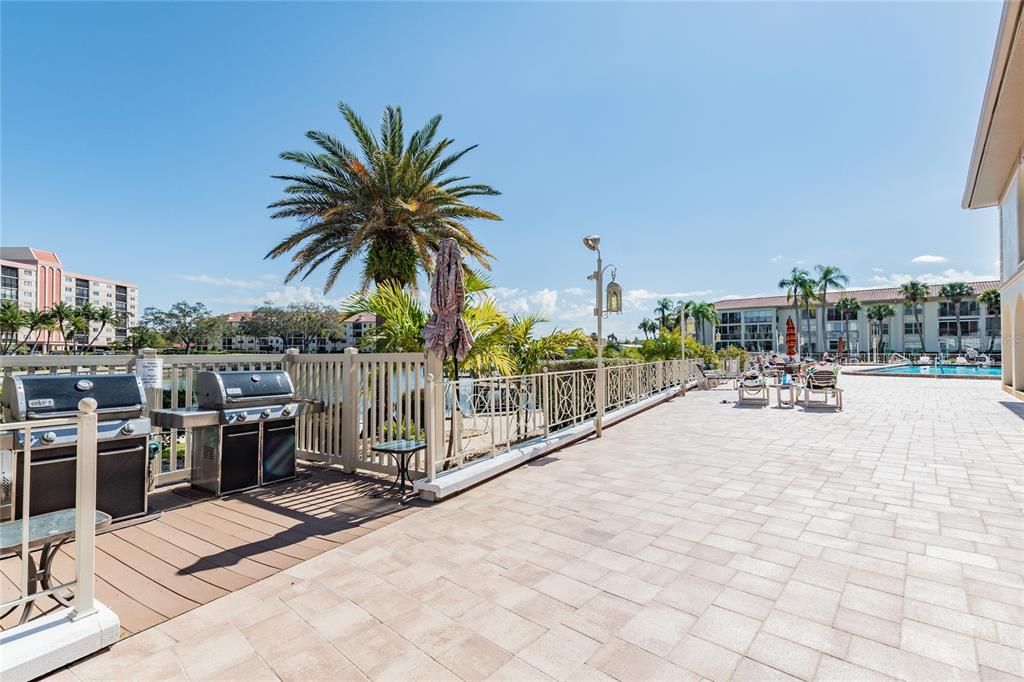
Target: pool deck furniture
point(49, 532)
point(822, 381)
point(792, 390)
point(402, 451)
point(752, 391)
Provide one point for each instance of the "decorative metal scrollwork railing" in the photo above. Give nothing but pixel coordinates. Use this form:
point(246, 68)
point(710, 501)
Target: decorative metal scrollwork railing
point(497, 413)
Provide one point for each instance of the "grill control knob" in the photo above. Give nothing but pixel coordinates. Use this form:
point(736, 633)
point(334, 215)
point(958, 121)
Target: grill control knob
point(128, 429)
point(48, 437)
point(265, 413)
point(242, 416)
point(286, 410)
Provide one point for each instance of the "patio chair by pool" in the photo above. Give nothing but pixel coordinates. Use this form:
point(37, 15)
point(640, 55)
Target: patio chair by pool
point(752, 388)
point(823, 381)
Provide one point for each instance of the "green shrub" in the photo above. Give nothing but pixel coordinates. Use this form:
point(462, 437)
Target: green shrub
point(698, 351)
point(586, 363)
point(730, 352)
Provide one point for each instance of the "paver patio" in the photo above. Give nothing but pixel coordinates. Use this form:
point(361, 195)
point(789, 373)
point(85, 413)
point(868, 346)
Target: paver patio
point(697, 540)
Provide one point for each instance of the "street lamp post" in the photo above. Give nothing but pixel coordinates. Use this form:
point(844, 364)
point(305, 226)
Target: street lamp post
point(614, 305)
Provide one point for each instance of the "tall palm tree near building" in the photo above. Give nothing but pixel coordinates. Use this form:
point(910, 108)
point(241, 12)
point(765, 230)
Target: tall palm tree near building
point(955, 293)
point(37, 322)
point(12, 320)
point(107, 317)
point(391, 204)
point(648, 327)
point(663, 309)
point(830, 277)
point(848, 307)
point(794, 285)
point(809, 295)
point(877, 314)
point(62, 313)
point(991, 299)
point(702, 312)
point(914, 294)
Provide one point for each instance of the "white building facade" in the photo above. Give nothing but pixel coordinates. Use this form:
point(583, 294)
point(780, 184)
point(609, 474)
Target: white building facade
point(996, 179)
point(759, 324)
point(37, 280)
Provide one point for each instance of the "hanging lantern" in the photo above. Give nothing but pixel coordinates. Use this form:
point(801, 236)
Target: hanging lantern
point(613, 297)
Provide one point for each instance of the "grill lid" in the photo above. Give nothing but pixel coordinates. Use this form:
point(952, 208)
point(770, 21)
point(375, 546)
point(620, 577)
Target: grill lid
point(47, 396)
point(222, 389)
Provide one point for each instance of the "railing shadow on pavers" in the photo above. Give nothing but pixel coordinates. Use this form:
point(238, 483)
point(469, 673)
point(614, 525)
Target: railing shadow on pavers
point(353, 510)
point(1014, 406)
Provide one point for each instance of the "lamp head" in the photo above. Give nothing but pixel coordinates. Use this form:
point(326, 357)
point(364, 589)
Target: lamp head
point(592, 242)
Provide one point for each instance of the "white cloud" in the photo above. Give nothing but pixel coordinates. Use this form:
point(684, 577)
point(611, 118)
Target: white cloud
point(877, 270)
point(895, 279)
point(574, 291)
point(775, 259)
point(229, 282)
point(545, 301)
point(640, 298)
point(929, 259)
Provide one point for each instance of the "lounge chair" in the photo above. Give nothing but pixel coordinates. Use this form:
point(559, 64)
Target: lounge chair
point(923, 360)
point(752, 387)
point(824, 381)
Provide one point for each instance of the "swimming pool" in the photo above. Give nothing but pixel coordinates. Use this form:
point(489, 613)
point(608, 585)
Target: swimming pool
point(942, 370)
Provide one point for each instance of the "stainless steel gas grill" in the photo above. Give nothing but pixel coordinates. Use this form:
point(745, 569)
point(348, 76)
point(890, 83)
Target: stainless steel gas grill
point(243, 429)
point(122, 436)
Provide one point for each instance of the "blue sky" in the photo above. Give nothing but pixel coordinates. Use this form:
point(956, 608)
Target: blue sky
point(713, 146)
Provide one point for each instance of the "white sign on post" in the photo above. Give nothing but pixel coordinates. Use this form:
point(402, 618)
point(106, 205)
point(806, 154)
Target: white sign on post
point(151, 372)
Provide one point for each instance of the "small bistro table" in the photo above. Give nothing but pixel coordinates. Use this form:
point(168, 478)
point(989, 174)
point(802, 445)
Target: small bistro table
point(402, 451)
point(794, 392)
point(49, 531)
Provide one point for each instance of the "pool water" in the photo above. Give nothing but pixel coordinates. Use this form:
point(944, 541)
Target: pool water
point(951, 370)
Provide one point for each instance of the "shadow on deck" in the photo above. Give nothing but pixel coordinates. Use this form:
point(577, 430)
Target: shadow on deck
point(194, 548)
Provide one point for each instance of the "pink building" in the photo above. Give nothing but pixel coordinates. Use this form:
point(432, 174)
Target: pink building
point(37, 279)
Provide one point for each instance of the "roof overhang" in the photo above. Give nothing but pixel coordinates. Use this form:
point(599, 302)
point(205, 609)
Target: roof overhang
point(1000, 136)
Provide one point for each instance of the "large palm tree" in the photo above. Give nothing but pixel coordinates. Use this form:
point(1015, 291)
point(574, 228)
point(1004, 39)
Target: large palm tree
point(703, 312)
point(955, 293)
point(991, 299)
point(877, 314)
point(847, 307)
point(648, 327)
point(62, 312)
point(529, 352)
point(38, 321)
point(663, 309)
point(12, 320)
point(914, 294)
point(794, 285)
point(391, 204)
point(829, 277)
point(107, 317)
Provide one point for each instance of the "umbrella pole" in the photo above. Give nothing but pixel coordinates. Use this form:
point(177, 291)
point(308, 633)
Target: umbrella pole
point(455, 408)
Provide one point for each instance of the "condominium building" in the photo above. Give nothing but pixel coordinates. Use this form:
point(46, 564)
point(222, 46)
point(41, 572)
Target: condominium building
point(996, 178)
point(37, 280)
point(759, 324)
point(352, 331)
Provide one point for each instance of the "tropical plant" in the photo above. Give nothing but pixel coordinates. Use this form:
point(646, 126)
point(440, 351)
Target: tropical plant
point(392, 205)
point(188, 324)
point(663, 309)
point(794, 285)
point(914, 294)
point(62, 312)
point(877, 314)
point(12, 320)
point(848, 307)
point(141, 336)
point(665, 347)
point(955, 293)
point(991, 299)
point(702, 312)
point(529, 352)
point(829, 277)
point(809, 295)
point(698, 351)
point(107, 318)
point(648, 327)
point(730, 352)
point(39, 321)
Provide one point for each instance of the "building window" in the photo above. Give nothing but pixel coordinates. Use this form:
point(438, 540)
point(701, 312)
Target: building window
point(728, 318)
point(967, 309)
point(967, 327)
point(911, 328)
point(81, 291)
point(754, 316)
point(9, 283)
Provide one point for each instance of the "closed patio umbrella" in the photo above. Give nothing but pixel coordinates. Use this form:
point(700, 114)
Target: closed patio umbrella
point(840, 347)
point(790, 337)
point(446, 333)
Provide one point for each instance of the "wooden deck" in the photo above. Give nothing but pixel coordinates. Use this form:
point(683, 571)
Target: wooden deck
point(193, 549)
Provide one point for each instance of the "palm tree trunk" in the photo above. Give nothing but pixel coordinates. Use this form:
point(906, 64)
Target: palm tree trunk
point(103, 326)
point(920, 329)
